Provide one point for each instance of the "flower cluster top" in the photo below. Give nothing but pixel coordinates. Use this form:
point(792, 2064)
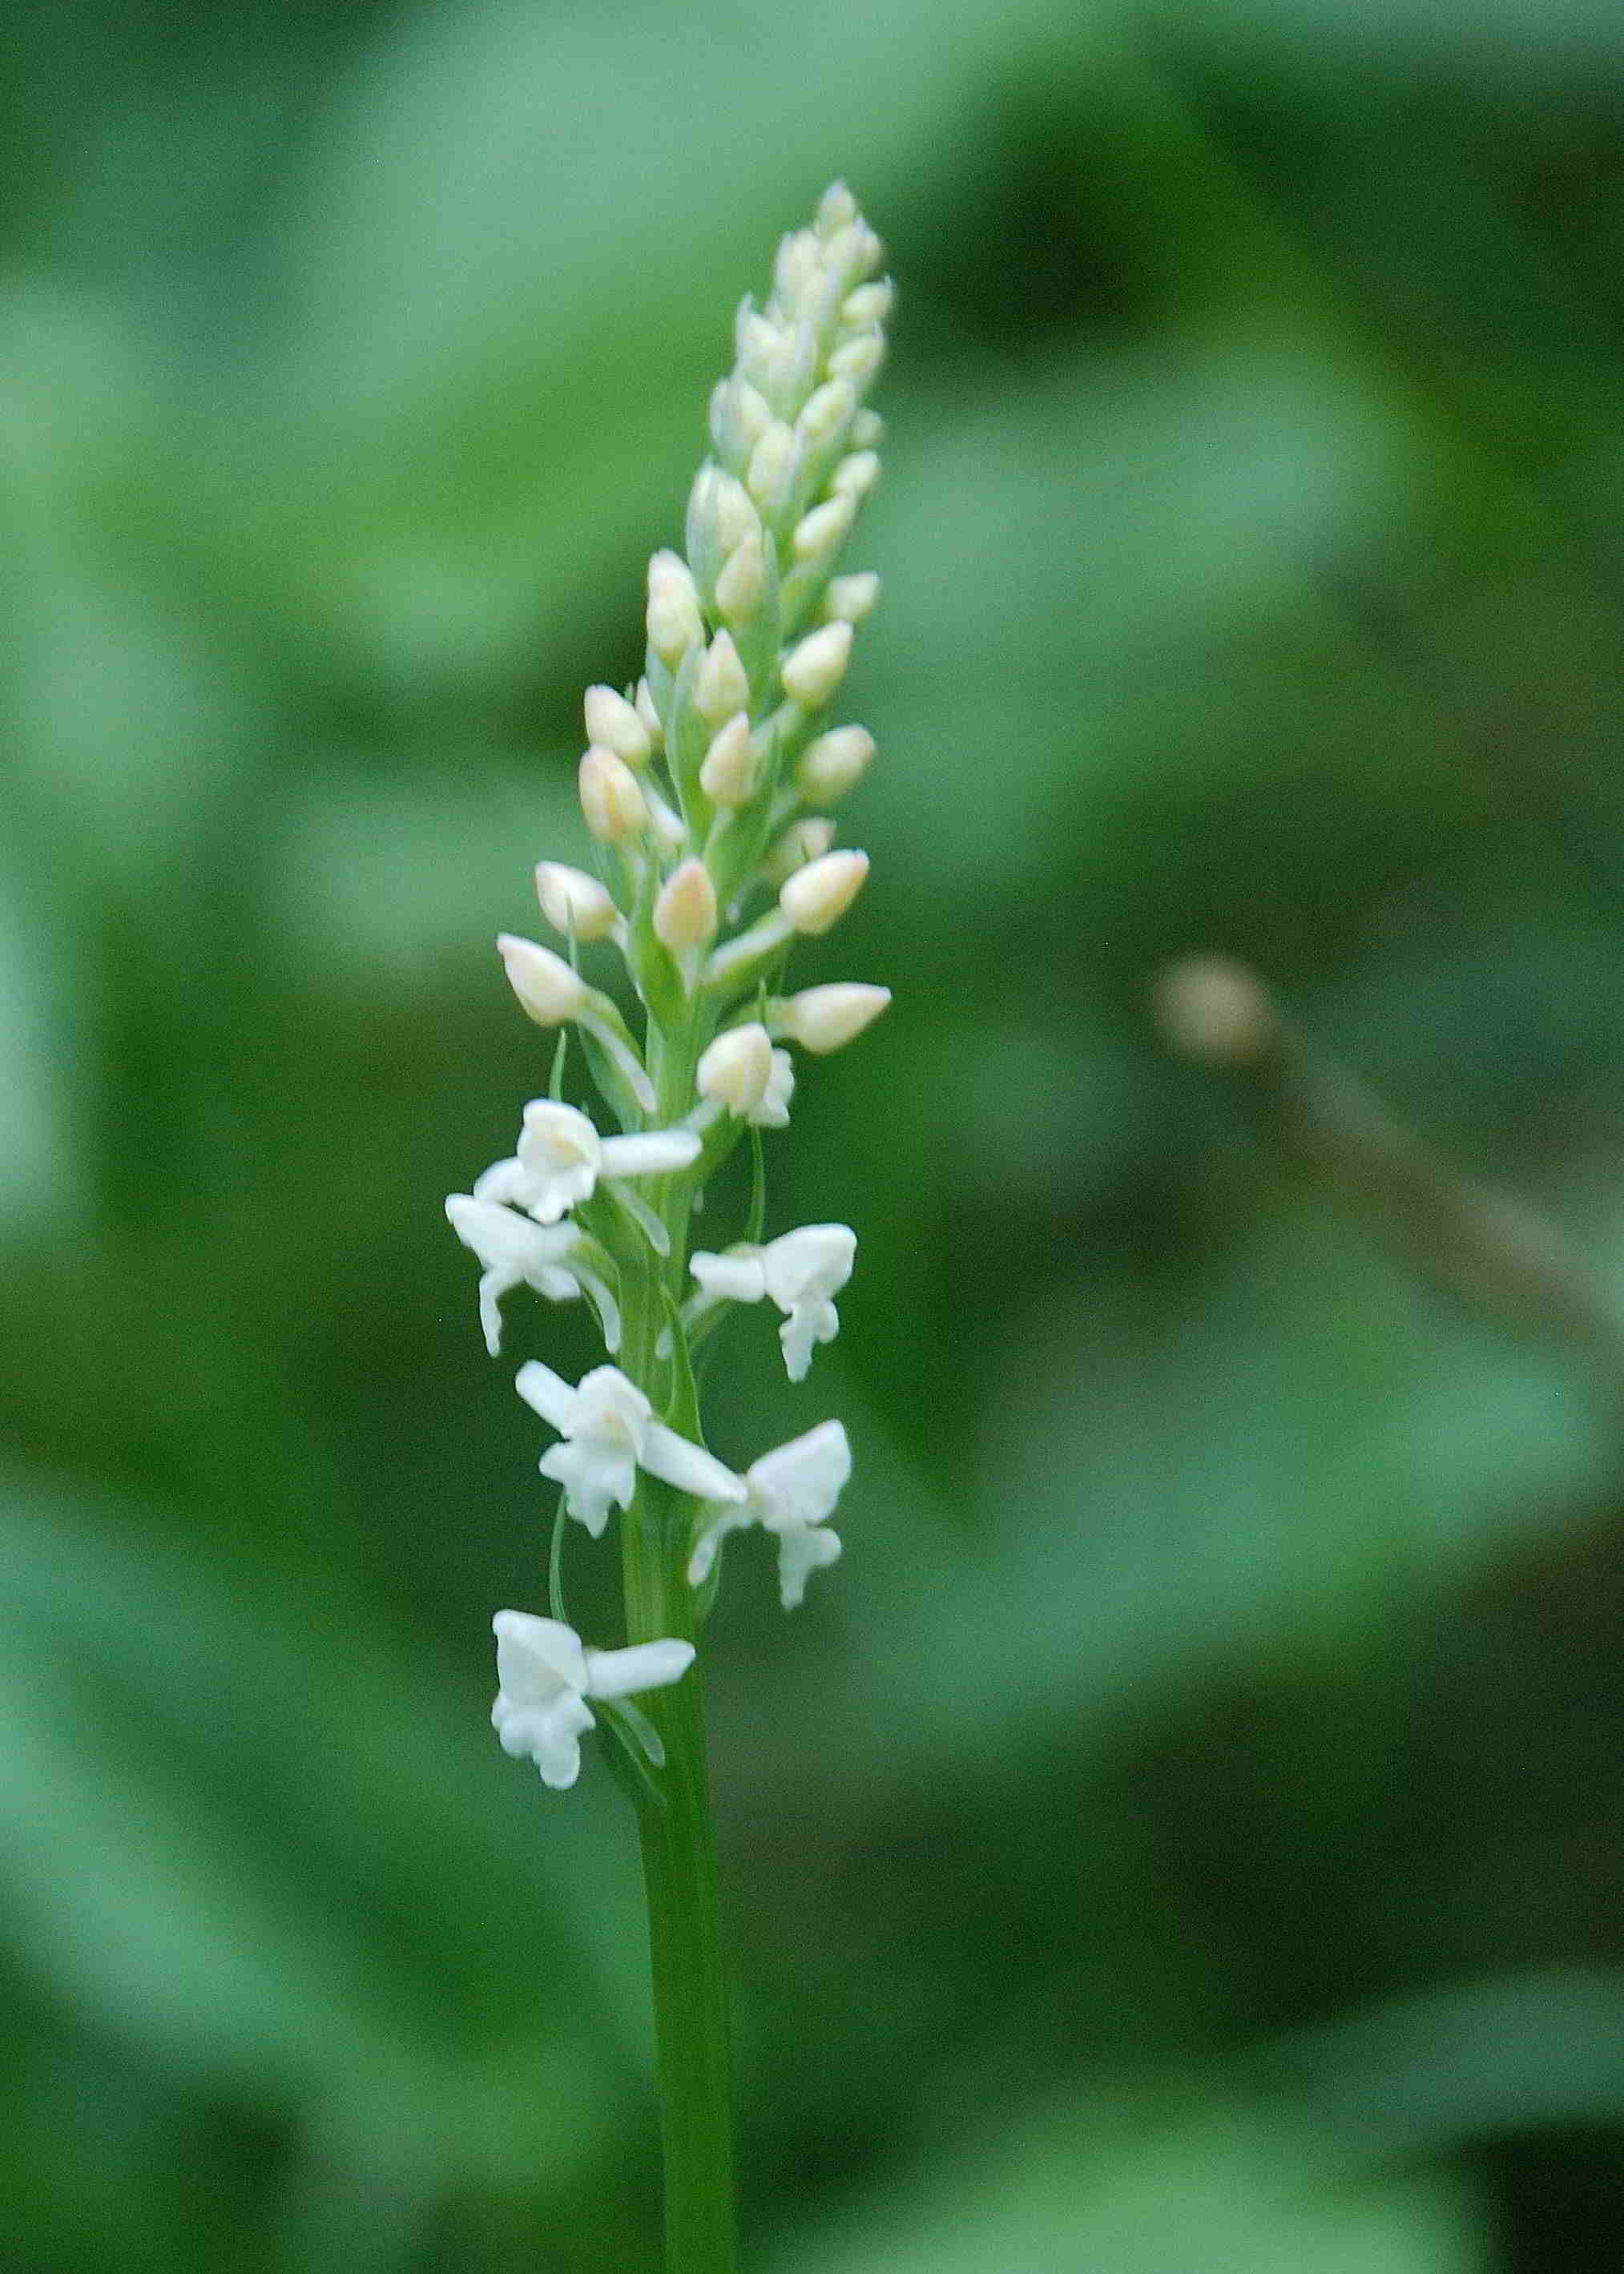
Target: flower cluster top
point(709, 789)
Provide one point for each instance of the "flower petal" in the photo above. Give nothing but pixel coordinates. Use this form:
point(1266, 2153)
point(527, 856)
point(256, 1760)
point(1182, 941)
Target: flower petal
point(688, 1467)
point(644, 1666)
point(546, 1393)
point(655, 1154)
point(536, 1657)
point(730, 1278)
point(503, 1180)
point(799, 1483)
point(805, 1550)
point(593, 1476)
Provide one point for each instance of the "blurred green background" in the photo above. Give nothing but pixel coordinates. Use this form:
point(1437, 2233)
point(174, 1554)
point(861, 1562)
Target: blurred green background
point(1187, 1835)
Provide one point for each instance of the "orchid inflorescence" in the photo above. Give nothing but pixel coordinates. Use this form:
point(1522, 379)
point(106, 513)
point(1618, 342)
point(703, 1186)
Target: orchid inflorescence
point(708, 788)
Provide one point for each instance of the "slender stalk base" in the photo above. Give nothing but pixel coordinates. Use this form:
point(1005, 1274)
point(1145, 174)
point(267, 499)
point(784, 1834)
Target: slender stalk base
point(690, 2001)
point(678, 1847)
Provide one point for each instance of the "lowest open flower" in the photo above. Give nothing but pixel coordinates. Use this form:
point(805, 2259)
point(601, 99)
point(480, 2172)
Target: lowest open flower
point(546, 1674)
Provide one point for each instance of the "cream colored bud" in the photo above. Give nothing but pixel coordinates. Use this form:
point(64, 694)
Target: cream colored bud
point(572, 902)
point(855, 476)
point(816, 897)
point(685, 914)
point(720, 507)
point(820, 531)
point(815, 665)
point(801, 841)
point(834, 764)
point(614, 806)
point(857, 359)
point(674, 622)
point(867, 430)
point(870, 304)
point(611, 720)
point(854, 250)
point(796, 266)
point(837, 208)
point(743, 579)
point(772, 472)
point(741, 415)
point(755, 336)
point(720, 686)
point(651, 718)
point(827, 1018)
point(546, 987)
point(827, 411)
point(735, 1072)
point(727, 773)
point(849, 599)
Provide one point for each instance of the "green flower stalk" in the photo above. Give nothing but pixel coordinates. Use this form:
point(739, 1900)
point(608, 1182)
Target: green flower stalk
point(708, 788)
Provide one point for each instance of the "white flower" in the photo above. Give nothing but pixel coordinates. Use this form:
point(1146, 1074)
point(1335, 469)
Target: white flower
point(561, 1158)
point(545, 1675)
point(791, 1492)
point(609, 1433)
point(512, 1252)
point(800, 1272)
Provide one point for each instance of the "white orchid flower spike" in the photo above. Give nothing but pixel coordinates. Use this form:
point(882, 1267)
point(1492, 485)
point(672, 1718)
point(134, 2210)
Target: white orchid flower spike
point(800, 1271)
point(561, 1159)
point(545, 1675)
point(791, 1491)
point(514, 1251)
point(609, 1433)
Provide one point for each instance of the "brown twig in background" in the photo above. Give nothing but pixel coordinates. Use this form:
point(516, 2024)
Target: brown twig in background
point(1493, 1251)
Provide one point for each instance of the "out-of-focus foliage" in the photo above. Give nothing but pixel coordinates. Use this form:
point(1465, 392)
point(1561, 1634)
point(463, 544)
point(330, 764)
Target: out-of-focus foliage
point(1188, 1833)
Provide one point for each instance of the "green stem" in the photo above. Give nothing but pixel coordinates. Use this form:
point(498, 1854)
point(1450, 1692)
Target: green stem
point(678, 1846)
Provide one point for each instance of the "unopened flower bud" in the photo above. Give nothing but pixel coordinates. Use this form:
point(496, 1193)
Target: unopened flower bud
point(870, 304)
point(614, 806)
point(772, 473)
point(849, 599)
point(755, 336)
point(801, 841)
point(819, 533)
point(611, 721)
point(837, 208)
point(685, 914)
point(796, 265)
point(867, 430)
point(854, 250)
point(573, 902)
point(743, 579)
point(721, 512)
point(735, 1072)
point(720, 687)
point(650, 715)
point(826, 411)
point(834, 764)
point(546, 987)
point(740, 416)
point(815, 665)
point(827, 1018)
point(859, 358)
point(855, 476)
point(674, 622)
point(728, 772)
point(816, 897)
